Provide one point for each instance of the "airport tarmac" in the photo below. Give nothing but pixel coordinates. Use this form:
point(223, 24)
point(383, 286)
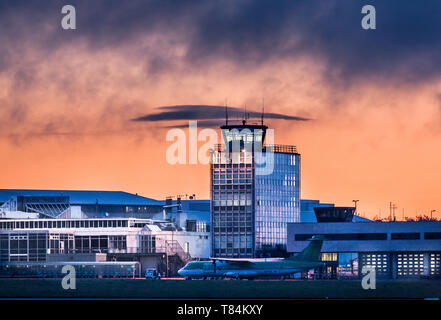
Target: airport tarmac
point(177, 288)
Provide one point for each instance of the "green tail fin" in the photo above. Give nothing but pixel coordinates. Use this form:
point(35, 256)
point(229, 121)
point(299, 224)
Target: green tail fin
point(311, 252)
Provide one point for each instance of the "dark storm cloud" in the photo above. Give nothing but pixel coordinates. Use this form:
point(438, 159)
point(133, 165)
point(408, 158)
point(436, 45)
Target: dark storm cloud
point(405, 46)
point(208, 114)
point(406, 43)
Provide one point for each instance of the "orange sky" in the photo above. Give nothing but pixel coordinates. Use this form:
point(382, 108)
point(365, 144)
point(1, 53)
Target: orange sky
point(69, 127)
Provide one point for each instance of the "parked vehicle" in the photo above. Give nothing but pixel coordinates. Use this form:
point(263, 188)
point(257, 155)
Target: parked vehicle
point(152, 274)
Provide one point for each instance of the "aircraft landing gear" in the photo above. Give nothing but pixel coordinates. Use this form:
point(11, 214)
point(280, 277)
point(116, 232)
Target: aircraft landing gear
point(187, 278)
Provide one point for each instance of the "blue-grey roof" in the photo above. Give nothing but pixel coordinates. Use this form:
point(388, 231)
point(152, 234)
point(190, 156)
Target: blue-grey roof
point(360, 219)
point(84, 196)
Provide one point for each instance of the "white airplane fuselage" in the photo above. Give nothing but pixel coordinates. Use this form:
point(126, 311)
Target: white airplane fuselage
point(256, 269)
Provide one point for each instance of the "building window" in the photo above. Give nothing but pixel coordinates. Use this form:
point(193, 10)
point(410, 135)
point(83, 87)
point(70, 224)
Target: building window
point(117, 242)
point(410, 264)
point(329, 256)
point(378, 260)
point(432, 235)
point(435, 263)
point(344, 236)
point(406, 236)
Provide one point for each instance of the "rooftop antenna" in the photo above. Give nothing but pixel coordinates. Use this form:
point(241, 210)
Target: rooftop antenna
point(245, 115)
point(392, 208)
point(226, 113)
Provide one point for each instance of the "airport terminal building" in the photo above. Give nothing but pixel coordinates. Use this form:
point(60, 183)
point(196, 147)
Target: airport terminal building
point(396, 249)
point(40, 227)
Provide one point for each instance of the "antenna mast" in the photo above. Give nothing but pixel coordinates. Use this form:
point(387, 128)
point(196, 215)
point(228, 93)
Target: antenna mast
point(245, 115)
point(226, 113)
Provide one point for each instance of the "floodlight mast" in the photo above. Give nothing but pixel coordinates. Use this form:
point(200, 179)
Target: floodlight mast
point(355, 204)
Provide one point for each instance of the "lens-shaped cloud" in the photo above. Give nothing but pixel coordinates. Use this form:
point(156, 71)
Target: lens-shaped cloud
point(209, 114)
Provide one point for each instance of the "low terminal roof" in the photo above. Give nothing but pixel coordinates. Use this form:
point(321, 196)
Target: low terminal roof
point(84, 196)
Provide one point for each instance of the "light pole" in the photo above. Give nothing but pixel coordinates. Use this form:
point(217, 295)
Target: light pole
point(431, 212)
point(355, 203)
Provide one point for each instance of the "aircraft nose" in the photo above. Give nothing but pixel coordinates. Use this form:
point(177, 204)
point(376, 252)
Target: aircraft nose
point(181, 271)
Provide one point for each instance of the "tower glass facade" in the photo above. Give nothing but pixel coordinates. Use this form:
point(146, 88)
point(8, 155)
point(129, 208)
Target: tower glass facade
point(251, 205)
point(277, 203)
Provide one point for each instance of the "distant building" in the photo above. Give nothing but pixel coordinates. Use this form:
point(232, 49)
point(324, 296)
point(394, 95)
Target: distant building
point(250, 207)
point(307, 209)
point(147, 241)
point(42, 226)
point(395, 249)
point(307, 213)
point(189, 215)
point(334, 214)
point(77, 203)
point(196, 215)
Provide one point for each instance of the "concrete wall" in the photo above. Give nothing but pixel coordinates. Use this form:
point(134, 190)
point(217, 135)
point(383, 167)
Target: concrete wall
point(149, 262)
point(366, 227)
point(199, 243)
